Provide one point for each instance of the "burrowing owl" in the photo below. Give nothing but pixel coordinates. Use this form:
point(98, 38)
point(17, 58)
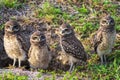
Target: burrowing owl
point(105, 37)
point(14, 44)
point(39, 52)
point(71, 46)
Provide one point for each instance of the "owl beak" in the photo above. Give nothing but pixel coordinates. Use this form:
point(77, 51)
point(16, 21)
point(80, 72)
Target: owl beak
point(11, 28)
point(38, 39)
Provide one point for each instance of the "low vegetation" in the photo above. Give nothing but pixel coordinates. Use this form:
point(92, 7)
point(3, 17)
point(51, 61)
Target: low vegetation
point(84, 16)
point(10, 4)
point(11, 76)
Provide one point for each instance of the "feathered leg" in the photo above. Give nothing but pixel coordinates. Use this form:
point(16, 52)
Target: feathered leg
point(19, 62)
point(71, 66)
point(14, 62)
point(105, 61)
point(101, 57)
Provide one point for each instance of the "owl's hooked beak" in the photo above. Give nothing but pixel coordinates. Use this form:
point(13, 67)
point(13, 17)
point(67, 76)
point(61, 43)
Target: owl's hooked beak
point(11, 28)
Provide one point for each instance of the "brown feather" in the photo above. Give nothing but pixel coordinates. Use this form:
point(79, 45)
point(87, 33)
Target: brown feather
point(22, 43)
point(74, 47)
point(39, 52)
point(97, 39)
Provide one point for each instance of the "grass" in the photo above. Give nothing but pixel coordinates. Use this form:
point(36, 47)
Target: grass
point(92, 71)
point(1, 27)
point(95, 71)
point(86, 18)
point(49, 13)
point(85, 22)
point(11, 76)
point(10, 4)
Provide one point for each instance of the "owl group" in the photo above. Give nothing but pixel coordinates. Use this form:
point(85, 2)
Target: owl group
point(38, 53)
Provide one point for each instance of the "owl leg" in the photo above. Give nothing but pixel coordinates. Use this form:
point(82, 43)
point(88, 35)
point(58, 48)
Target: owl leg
point(71, 66)
point(101, 57)
point(105, 59)
point(14, 61)
point(19, 62)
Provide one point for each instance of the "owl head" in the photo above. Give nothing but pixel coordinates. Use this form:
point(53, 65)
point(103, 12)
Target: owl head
point(12, 26)
point(107, 22)
point(38, 38)
point(66, 29)
point(41, 27)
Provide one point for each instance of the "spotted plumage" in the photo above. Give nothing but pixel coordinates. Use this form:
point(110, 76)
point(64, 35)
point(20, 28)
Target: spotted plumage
point(71, 46)
point(74, 47)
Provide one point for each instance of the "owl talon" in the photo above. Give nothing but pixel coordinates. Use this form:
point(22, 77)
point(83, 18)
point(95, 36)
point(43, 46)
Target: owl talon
point(71, 68)
point(11, 67)
point(22, 68)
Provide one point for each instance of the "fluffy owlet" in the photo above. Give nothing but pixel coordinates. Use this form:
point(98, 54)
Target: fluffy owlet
point(14, 44)
point(39, 52)
point(105, 37)
point(71, 46)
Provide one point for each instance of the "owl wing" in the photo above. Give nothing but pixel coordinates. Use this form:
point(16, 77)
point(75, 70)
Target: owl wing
point(50, 53)
point(97, 39)
point(29, 52)
point(23, 43)
point(3, 55)
point(48, 48)
point(75, 48)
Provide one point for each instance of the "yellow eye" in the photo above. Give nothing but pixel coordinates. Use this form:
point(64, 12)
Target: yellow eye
point(104, 21)
point(34, 38)
point(7, 26)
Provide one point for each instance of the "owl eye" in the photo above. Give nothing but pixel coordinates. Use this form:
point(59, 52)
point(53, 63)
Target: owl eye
point(7, 26)
point(42, 37)
point(16, 28)
point(111, 21)
point(104, 21)
point(65, 30)
point(34, 38)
